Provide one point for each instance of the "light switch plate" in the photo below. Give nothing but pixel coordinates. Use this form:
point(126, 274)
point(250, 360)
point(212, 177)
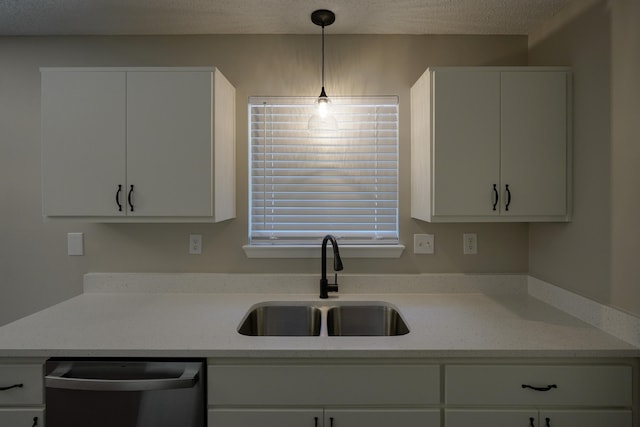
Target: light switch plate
point(75, 244)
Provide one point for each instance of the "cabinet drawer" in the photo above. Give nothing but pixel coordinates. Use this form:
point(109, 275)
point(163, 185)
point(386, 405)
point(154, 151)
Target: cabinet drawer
point(559, 385)
point(22, 417)
point(382, 417)
point(265, 417)
point(29, 393)
point(531, 418)
point(586, 418)
point(493, 418)
point(360, 384)
point(284, 417)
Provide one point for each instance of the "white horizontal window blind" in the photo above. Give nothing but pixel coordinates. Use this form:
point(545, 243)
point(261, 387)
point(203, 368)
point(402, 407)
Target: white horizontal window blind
point(306, 184)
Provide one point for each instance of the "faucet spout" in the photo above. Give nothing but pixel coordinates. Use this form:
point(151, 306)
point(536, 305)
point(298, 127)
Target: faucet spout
point(325, 287)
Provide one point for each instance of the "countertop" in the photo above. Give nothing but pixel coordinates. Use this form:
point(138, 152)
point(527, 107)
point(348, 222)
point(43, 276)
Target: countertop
point(164, 323)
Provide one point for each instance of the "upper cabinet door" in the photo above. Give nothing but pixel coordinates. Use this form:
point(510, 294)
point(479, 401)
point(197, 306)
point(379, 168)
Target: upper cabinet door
point(170, 143)
point(465, 142)
point(83, 143)
point(534, 143)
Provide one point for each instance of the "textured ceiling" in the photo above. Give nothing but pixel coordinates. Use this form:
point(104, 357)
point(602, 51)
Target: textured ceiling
point(50, 17)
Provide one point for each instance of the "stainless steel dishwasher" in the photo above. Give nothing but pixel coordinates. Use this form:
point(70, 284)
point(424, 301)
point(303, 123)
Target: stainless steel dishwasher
point(125, 393)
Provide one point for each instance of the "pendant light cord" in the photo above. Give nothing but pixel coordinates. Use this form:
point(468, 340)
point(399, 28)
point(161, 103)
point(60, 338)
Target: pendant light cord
point(323, 58)
point(322, 18)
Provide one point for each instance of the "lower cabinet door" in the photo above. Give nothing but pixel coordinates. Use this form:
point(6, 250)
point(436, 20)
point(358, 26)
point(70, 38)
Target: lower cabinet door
point(381, 418)
point(490, 418)
point(326, 418)
point(586, 418)
point(21, 417)
point(533, 418)
point(265, 417)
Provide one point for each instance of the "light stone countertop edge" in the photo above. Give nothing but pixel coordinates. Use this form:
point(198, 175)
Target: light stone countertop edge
point(496, 319)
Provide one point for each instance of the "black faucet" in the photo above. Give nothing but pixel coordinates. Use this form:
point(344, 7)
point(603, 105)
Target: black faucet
point(325, 287)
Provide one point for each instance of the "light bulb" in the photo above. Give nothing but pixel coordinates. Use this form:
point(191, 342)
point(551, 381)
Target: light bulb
point(323, 107)
point(322, 123)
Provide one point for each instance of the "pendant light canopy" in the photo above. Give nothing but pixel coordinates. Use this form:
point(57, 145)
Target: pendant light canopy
point(322, 120)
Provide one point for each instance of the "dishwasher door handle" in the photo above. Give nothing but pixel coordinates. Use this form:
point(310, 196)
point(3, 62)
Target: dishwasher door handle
point(56, 379)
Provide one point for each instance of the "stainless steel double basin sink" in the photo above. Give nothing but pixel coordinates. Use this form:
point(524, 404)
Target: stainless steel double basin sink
point(323, 319)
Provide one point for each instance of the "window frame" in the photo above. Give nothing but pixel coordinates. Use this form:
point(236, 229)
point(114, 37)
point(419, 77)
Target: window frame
point(367, 130)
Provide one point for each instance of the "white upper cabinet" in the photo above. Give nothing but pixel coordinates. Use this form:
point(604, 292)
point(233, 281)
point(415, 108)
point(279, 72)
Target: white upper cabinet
point(491, 144)
point(139, 144)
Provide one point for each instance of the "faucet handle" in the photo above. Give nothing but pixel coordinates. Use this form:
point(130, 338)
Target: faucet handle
point(333, 287)
point(326, 287)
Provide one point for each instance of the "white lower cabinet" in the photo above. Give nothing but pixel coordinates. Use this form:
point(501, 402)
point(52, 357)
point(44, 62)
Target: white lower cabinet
point(586, 418)
point(21, 393)
point(324, 418)
point(406, 393)
point(22, 417)
point(568, 385)
point(490, 418)
point(265, 417)
point(381, 417)
point(538, 395)
point(533, 418)
point(339, 394)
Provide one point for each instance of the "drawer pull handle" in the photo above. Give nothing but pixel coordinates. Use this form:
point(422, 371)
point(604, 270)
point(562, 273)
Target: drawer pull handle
point(508, 197)
point(35, 421)
point(496, 197)
point(531, 420)
point(11, 386)
point(547, 388)
point(548, 420)
point(315, 419)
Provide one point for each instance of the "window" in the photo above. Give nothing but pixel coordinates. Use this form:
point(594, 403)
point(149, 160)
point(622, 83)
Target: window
point(306, 184)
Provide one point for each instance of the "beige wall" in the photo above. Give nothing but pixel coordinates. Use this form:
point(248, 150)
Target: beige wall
point(597, 254)
point(625, 154)
point(36, 272)
point(577, 255)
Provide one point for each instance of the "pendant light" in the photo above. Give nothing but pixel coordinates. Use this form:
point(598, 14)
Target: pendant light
point(322, 121)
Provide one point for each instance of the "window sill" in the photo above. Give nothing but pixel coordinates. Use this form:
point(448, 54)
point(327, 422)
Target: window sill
point(346, 251)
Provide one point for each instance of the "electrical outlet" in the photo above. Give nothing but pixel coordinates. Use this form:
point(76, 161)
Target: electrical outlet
point(470, 243)
point(423, 243)
point(195, 244)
